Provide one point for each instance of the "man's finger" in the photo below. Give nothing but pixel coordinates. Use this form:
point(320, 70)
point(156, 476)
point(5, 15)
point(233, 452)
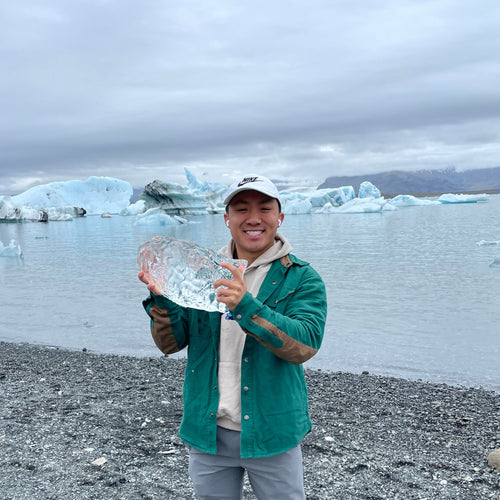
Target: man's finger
point(237, 272)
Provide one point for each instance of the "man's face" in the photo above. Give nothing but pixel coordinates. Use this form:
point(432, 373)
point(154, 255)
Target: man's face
point(253, 221)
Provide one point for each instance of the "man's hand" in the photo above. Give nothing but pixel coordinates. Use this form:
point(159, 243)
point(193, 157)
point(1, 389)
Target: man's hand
point(231, 291)
point(152, 286)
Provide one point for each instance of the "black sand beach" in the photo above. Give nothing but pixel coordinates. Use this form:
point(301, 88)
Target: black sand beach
point(75, 425)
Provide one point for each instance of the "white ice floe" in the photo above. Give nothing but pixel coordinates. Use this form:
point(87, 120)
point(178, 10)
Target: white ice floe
point(157, 217)
point(407, 200)
point(496, 262)
point(463, 198)
point(484, 243)
point(13, 249)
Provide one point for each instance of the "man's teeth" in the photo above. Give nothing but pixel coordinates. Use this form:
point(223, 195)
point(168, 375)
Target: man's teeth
point(253, 233)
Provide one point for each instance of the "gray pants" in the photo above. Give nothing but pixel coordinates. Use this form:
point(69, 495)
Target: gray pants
point(221, 476)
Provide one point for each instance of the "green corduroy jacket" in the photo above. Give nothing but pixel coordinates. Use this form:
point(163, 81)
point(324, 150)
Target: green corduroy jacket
point(284, 326)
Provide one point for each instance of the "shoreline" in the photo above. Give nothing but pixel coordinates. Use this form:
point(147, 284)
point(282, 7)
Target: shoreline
point(81, 425)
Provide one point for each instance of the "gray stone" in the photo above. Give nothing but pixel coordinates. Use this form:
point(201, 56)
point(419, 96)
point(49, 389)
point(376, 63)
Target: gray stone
point(494, 459)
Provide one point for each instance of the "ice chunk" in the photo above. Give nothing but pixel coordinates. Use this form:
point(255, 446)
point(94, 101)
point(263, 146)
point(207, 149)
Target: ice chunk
point(496, 262)
point(368, 190)
point(484, 243)
point(362, 206)
point(136, 208)
point(185, 271)
point(295, 206)
point(463, 198)
point(157, 217)
point(327, 208)
point(11, 250)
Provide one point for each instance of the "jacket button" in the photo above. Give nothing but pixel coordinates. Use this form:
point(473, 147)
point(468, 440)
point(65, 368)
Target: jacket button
point(238, 316)
point(246, 360)
point(274, 282)
point(246, 417)
point(245, 389)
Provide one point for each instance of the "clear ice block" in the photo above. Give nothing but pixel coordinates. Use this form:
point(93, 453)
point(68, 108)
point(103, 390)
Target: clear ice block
point(185, 272)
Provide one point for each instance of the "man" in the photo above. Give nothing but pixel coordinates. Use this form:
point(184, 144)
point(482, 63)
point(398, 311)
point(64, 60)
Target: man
point(245, 396)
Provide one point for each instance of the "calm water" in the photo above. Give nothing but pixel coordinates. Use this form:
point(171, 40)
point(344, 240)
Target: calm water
point(410, 292)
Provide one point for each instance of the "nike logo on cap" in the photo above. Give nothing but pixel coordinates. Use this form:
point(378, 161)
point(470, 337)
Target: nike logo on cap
point(246, 180)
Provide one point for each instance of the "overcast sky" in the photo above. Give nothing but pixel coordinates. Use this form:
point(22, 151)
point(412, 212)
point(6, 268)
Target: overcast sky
point(138, 90)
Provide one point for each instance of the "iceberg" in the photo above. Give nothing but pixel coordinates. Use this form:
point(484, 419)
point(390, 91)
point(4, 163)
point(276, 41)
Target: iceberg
point(184, 271)
point(463, 198)
point(195, 198)
point(335, 196)
point(294, 203)
point(368, 190)
point(8, 212)
point(75, 198)
point(408, 200)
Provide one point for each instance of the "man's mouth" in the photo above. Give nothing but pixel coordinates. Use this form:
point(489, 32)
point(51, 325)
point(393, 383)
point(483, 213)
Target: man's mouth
point(253, 233)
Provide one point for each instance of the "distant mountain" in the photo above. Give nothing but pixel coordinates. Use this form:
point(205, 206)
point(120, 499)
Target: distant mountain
point(423, 181)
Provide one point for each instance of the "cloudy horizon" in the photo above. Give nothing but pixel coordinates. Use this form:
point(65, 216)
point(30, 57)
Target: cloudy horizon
point(141, 90)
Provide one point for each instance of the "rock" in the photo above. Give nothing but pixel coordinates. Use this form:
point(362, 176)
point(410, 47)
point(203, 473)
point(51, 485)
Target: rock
point(494, 459)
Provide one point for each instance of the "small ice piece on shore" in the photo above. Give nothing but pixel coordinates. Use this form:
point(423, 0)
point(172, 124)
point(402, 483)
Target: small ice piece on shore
point(185, 271)
point(99, 462)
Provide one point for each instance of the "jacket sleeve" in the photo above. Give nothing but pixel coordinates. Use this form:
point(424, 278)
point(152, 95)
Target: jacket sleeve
point(168, 323)
point(296, 331)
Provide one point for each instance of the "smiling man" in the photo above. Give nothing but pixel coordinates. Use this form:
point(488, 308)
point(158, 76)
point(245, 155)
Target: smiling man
point(245, 396)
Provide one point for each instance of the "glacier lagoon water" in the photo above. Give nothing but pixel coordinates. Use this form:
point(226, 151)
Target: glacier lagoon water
point(410, 293)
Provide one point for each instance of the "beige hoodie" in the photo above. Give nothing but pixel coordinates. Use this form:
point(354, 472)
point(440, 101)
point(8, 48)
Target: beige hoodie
point(232, 337)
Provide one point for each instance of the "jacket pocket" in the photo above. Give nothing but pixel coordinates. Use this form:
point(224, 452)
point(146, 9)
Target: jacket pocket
point(279, 301)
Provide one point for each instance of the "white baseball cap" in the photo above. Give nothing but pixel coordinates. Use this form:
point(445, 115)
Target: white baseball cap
point(254, 183)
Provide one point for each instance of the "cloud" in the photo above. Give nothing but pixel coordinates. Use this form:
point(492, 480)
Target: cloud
point(139, 90)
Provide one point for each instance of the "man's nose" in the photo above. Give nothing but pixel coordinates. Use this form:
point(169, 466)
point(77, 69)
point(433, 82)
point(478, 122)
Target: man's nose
point(254, 217)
